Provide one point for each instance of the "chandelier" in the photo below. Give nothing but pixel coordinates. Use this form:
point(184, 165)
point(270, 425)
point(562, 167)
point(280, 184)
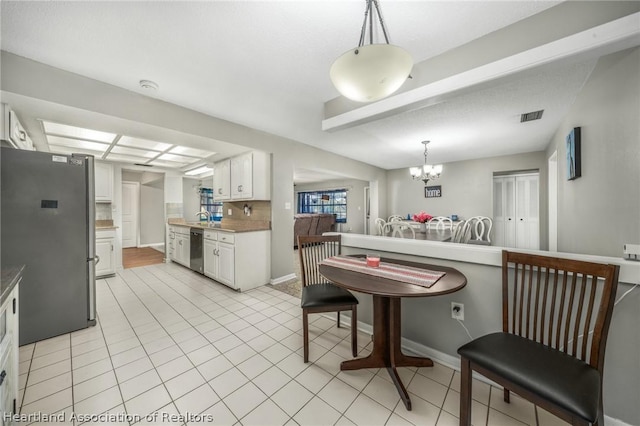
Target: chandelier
point(371, 72)
point(426, 172)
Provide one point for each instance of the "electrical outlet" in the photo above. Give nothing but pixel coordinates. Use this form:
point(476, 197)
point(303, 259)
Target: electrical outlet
point(457, 311)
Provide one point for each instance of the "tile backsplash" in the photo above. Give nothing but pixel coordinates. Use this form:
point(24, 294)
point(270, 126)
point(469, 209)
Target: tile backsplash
point(103, 211)
point(174, 210)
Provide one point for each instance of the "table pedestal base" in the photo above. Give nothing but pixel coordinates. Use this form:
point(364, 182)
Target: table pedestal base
point(386, 345)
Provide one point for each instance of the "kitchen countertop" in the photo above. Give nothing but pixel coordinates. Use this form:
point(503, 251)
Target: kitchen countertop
point(223, 228)
point(9, 277)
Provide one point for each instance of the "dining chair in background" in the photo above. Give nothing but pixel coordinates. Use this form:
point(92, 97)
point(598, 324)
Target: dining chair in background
point(401, 230)
point(395, 218)
point(479, 230)
point(319, 295)
point(440, 223)
point(381, 226)
point(555, 321)
point(459, 232)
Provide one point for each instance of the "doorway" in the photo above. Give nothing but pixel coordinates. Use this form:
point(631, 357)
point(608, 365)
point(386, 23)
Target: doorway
point(143, 241)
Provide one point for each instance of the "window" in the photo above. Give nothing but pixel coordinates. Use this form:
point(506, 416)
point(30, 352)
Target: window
point(213, 207)
point(333, 201)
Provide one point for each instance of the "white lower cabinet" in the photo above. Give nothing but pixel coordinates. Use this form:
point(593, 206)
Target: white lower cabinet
point(9, 357)
point(240, 260)
point(105, 250)
point(180, 252)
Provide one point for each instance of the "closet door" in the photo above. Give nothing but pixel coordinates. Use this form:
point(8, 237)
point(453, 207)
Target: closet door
point(516, 211)
point(527, 212)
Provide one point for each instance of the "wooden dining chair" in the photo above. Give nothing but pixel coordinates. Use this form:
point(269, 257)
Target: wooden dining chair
point(555, 321)
point(319, 295)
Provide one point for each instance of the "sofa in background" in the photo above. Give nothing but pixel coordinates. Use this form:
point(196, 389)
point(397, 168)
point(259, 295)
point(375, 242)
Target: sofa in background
point(312, 224)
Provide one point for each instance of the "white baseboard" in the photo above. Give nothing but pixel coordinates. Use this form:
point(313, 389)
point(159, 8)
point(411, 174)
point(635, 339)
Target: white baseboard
point(283, 279)
point(447, 360)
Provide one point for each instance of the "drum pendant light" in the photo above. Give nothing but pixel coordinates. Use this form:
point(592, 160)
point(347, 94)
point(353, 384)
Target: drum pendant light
point(372, 72)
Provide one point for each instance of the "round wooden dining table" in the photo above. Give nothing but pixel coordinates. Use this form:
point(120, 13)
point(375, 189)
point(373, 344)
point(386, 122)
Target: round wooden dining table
point(387, 294)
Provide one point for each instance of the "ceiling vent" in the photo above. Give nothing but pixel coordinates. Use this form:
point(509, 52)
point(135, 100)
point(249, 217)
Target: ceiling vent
point(530, 116)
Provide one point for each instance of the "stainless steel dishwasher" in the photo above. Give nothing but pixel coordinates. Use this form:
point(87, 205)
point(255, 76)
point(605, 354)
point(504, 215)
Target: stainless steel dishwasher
point(196, 262)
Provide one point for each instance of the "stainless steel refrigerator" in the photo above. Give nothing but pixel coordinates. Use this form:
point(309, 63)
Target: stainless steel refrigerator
point(48, 224)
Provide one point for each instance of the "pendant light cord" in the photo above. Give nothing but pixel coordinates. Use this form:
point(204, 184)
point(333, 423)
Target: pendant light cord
point(368, 13)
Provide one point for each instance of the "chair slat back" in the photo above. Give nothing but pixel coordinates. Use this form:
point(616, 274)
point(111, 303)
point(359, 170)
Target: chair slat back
point(313, 249)
point(562, 303)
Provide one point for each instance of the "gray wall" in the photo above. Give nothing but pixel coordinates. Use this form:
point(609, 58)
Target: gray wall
point(467, 188)
point(151, 205)
point(600, 211)
point(191, 198)
point(355, 200)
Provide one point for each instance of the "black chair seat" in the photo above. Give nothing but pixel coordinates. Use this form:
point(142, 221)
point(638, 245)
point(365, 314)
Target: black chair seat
point(567, 381)
point(325, 295)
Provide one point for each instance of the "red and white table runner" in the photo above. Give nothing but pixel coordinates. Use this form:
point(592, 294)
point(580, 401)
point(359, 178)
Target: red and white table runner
point(392, 271)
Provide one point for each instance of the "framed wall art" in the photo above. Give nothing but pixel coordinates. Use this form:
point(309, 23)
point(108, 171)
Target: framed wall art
point(574, 166)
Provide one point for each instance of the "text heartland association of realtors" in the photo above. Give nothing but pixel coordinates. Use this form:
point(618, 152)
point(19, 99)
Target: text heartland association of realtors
point(158, 416)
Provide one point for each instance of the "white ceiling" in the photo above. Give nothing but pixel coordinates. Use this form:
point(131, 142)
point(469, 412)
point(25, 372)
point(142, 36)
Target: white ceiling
point(265, 64)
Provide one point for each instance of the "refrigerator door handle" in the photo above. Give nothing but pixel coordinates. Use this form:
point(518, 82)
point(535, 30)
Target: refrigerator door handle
point(97, 259)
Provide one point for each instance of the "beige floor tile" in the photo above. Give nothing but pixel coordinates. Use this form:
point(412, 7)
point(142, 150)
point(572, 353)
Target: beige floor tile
point(214, 367)
point(428, 390)
point(228, 382)
point(139, 384)
point(197, 400)
point(478, 411)
point(271, 380)
point(317, 412)
point(53, 370)
point(438, 372)
point(396, 420)
point(422, 412)
point(174, 367)
point(480, 391)
point(184, 383)
point(338, 394)
point(50, 404)
point(267, 413)
point(383, 392)
point(314, 378)
point(496, 418)
point(94, 386)
point(148, 402)
point(292, 397)
point(365, 411)
point(518, 408)
point(244, 400)
point(447, 419)
point(100, 402)
point(545, 418)
point(92, 370)
point(359, 379)
point(47, 387)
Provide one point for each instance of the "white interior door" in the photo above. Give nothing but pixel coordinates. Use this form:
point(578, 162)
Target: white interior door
point(553, 201)
point(130, 209)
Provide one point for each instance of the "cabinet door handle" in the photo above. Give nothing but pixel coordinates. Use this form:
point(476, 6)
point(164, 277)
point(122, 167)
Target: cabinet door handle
point(111, 247)
point(180, 242)
point(219, 190)
point(239, 188)
point(2, 376)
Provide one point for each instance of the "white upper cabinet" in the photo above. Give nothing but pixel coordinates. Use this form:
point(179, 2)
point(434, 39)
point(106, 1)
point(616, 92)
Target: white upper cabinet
point(222, 180)
point(104, 182)
point(244, 177)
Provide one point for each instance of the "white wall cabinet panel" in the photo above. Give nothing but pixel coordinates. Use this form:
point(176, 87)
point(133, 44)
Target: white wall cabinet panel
point(103, 182)
point(516, 215)
point(105, 250)
point(222, 180)
point(244, 177)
